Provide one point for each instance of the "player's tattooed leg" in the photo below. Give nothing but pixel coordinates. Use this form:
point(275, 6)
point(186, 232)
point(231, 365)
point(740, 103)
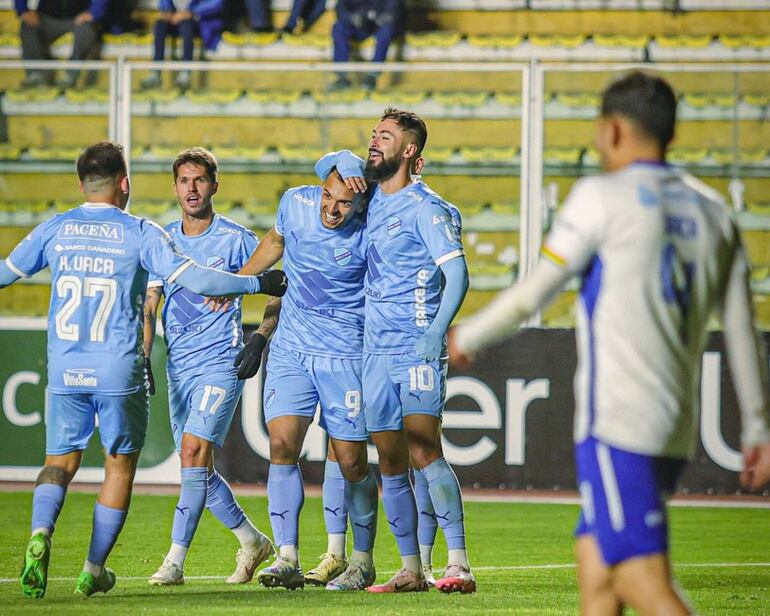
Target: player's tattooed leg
point(53, 474)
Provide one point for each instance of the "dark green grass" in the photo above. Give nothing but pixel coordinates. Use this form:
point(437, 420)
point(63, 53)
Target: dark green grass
point(502, 537)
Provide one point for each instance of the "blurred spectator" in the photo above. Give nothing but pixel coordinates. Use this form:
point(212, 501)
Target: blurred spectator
point(357, 20)
point(186, 19)
point(251, 15)
point(307, 10)
point(53, 18)
point(119, 17)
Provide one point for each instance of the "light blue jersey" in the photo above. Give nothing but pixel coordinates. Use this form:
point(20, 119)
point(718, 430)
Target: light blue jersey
point(411, 233)
point(323, 310)
point(198, 337)
point(99, 258)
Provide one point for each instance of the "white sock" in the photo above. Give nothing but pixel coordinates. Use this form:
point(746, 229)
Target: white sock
point(44, 531)
point(458, 557)
point(289, 552)
point(412, 563)
point(362, 558)
point(426, 555)
point(95, 570)
point(177, 554)
point(336, 544)
point(247, 534)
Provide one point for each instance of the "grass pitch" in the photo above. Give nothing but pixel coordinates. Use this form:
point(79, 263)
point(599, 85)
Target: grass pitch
point(522, 556)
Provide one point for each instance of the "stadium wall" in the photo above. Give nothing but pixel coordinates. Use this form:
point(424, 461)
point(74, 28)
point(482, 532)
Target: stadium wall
point(507, 425)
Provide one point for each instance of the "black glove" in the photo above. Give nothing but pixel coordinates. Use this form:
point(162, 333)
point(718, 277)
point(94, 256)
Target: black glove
point(150, 377)
point(250, 356)
point(273, 283)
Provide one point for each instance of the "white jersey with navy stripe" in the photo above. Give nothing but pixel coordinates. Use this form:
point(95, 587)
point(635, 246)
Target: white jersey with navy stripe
point(655, 248)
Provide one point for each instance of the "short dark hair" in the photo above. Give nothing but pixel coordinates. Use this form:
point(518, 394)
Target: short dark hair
point(197, 156)
point(647, 100)
point(101, 160)
point(410, 122)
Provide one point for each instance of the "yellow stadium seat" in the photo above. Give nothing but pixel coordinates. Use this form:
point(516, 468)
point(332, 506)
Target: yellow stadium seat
point(341, 96)
point(491, 41)
point(562, 156)
point(240, 153)
point(505, 208)
point(556, 40)
point(439, 154)
point(129, 39)
point(216, 97)
point(759, 208)
point(43, 94)
point(164, 151)
point(621, 40)
point(683, 41)
point(9, 151)
point(250, 39)
point(398, 98)
point(578, 99)
point(461, 99)
point(259, 208)
point(512, 99)
point(684, 156)
point(282, 97)
point(488, 154)
point(308, 39)
point(10, 39)
point(433, 39)
point(87, 95)
point(734, 41)
point(68, 153)
point(157, 95)
point(472, 209)
point(756, 100)
point(300, 153)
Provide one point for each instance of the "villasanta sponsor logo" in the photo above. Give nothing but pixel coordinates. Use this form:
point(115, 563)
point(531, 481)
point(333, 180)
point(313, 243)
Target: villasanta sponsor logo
point(80, 378)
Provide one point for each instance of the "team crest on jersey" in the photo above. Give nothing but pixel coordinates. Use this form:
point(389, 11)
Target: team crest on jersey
point(80, 229)
point(342, 256)
point(215, 262)
point(394, 226)
point(269, 398)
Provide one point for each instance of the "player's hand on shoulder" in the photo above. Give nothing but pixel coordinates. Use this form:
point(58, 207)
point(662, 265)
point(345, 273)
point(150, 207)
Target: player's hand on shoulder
point(250, 356)
point(429, 346)
point(149, 375)
point(457, 359)
point(756, 467)
point(273, 283)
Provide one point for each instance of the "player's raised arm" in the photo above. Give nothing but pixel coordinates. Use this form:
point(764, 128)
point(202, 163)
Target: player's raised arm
point(350, 167)
point(748, 367)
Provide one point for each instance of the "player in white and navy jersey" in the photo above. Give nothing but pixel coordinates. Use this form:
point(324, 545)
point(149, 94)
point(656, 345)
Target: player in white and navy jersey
point(315, 359)
point(99, 258)
point(415, 283)
point(204, 385)
point(657, 252)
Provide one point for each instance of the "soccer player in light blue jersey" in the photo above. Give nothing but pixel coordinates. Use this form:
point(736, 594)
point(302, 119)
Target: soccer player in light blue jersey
point(99, 258)
point(416, 281)
point(204, 385)
point(315, 357)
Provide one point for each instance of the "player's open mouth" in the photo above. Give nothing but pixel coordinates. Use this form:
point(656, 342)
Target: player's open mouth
point(193, 200)
point(330, 218)
point(375, 155)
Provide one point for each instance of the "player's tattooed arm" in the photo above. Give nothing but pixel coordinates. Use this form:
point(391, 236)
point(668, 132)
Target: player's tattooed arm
point(154, 295)
point(270, 317)
point(151, 304)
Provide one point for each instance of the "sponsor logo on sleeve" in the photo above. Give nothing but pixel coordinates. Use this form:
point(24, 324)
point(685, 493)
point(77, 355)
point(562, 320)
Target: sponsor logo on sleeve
point(80, 377)
point(100, 231)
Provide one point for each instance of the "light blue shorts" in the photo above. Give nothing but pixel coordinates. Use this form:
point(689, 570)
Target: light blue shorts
point(624, 499)
point(71, 420)
point(296, 383)
point(203, 404)
point(400, 385)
